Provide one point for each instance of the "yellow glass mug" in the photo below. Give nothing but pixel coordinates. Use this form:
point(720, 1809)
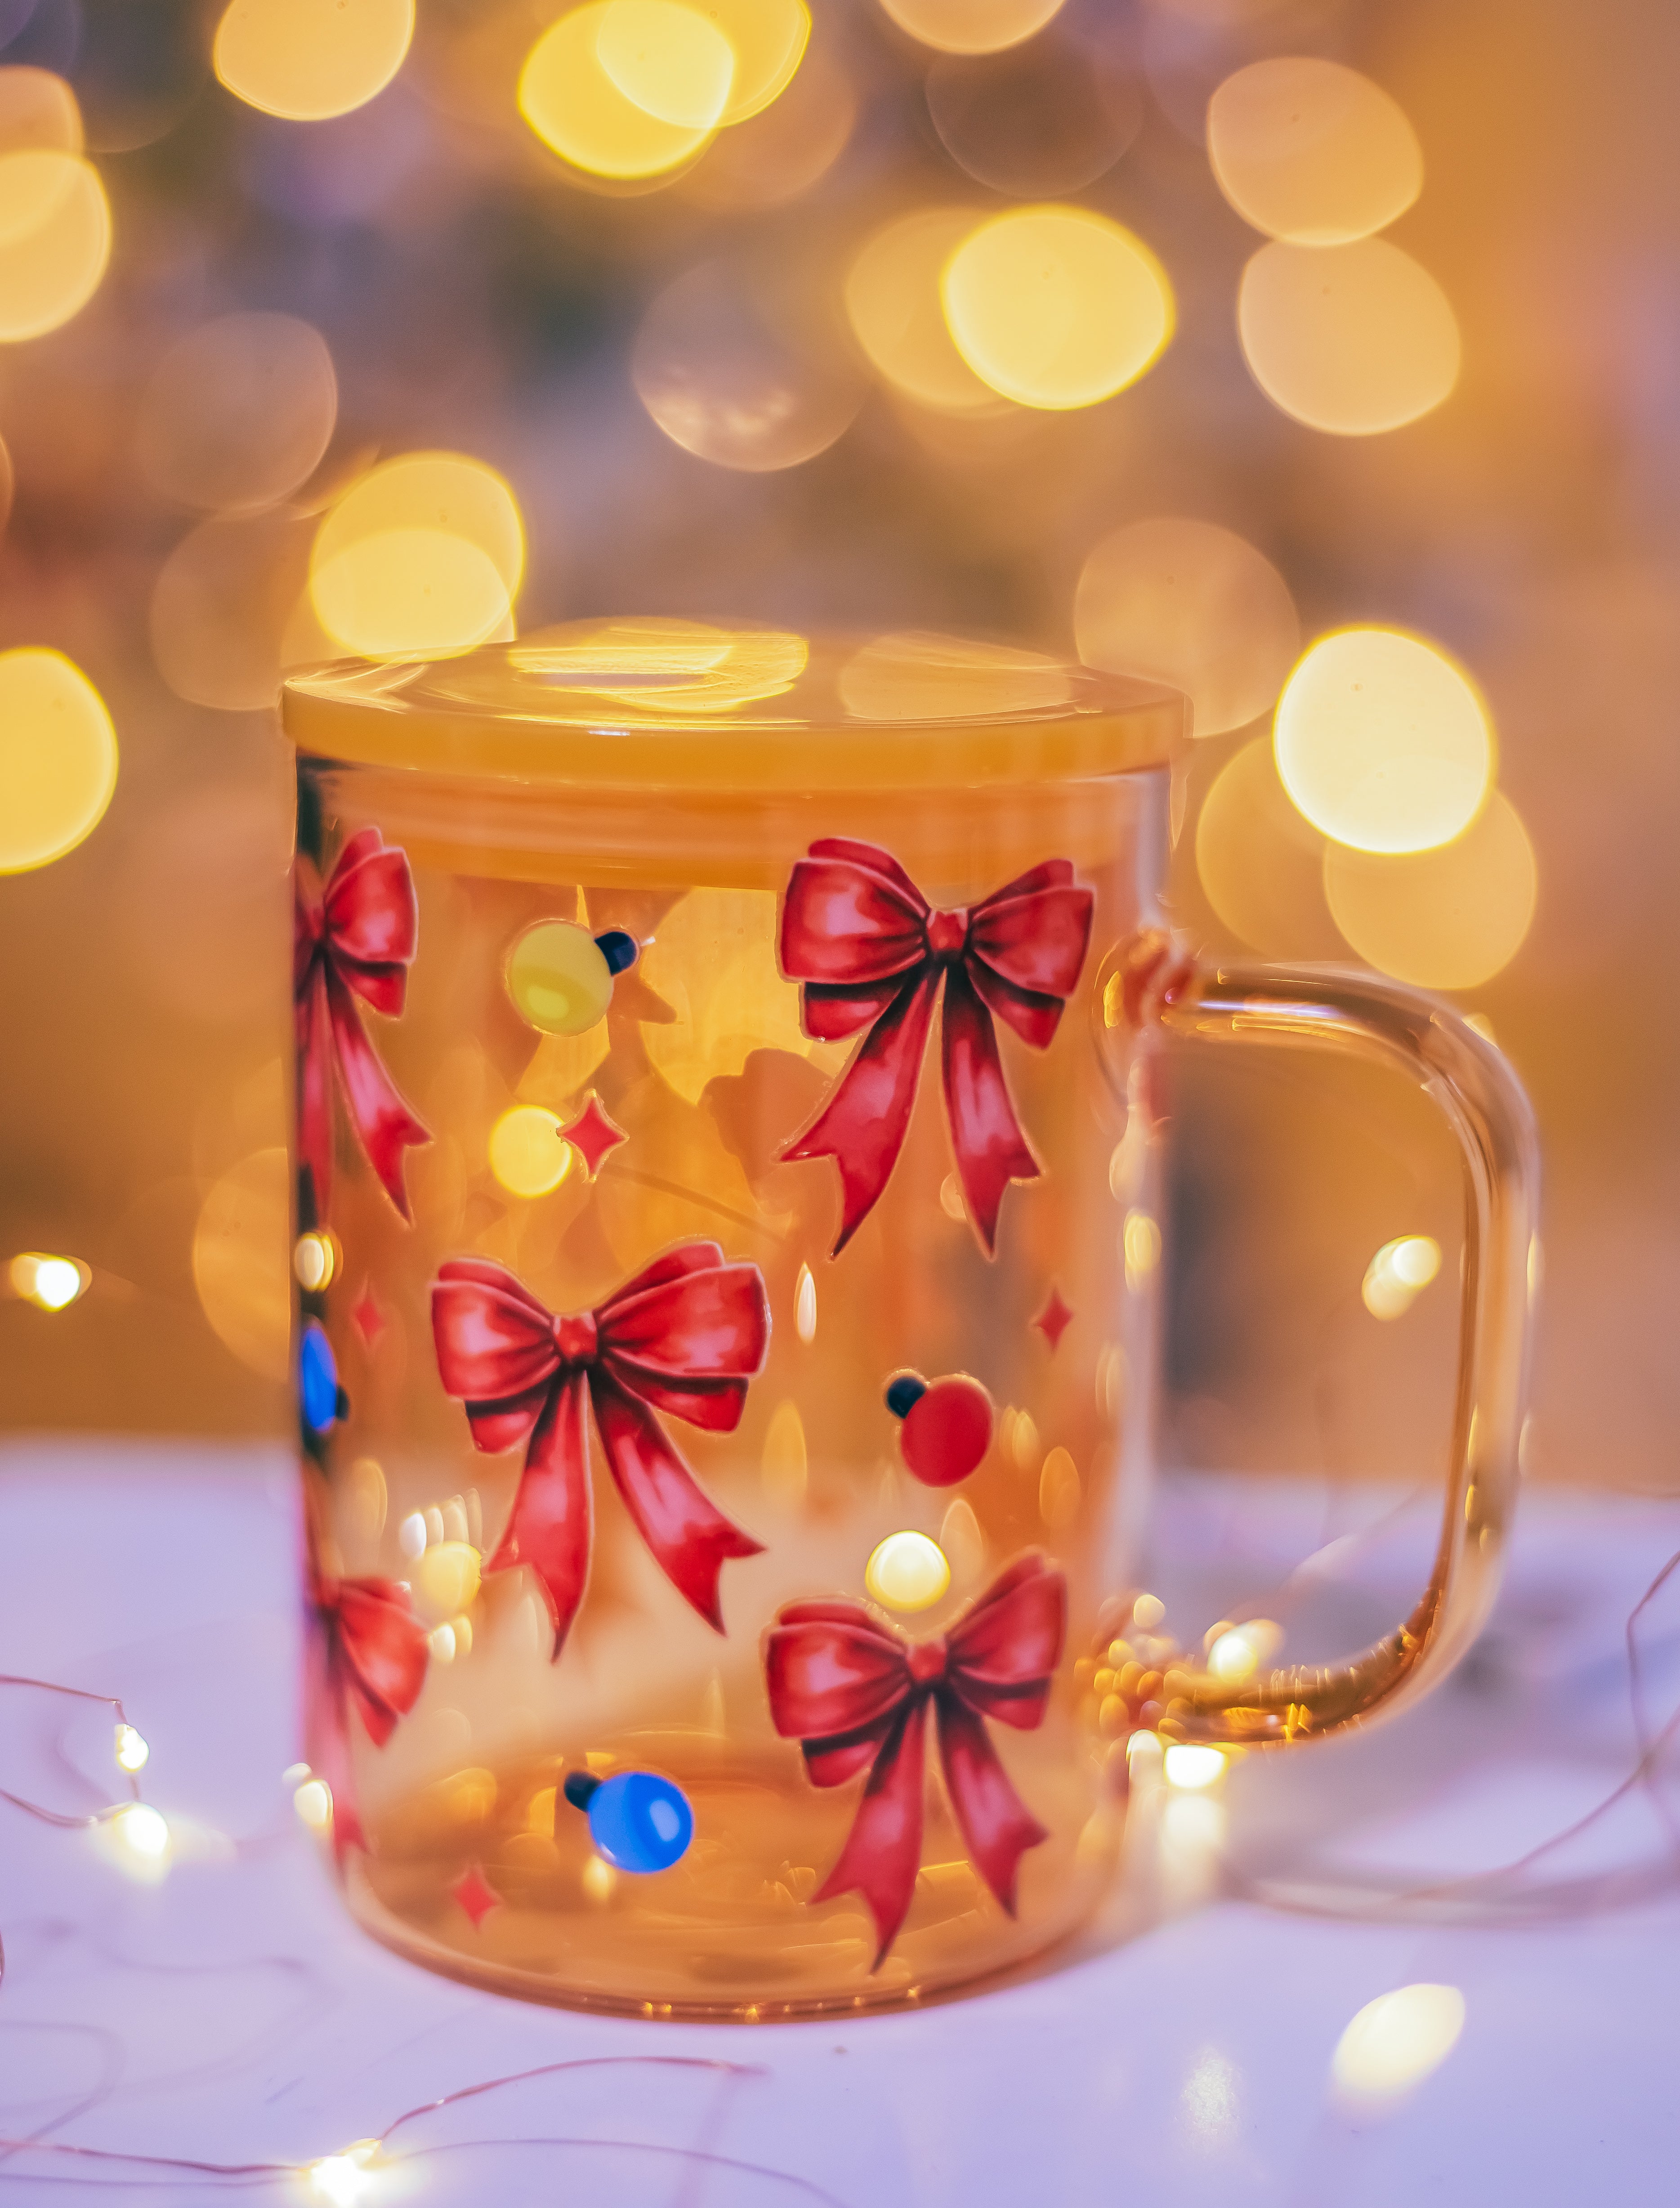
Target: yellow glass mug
point(727, 1196)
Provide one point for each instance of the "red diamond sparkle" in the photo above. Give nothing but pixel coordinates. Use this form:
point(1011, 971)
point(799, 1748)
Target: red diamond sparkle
point(593, 1135)
point(475, 1894)
point(1052, 1321)
point(368, 1320)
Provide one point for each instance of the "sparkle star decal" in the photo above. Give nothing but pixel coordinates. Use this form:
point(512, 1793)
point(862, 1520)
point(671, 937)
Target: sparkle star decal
point(593, 1135)
point(367, 1317)
point(1052, 1321)
point(475, 1894)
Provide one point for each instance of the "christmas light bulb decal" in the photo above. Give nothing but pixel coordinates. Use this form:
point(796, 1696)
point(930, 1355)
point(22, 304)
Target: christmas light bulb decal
point(639, 1821)
point(947, 1425)
point(561, 977)
point(322, 1401)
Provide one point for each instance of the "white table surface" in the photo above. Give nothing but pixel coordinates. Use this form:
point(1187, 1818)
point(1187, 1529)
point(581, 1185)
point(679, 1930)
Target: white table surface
point(231, 2013)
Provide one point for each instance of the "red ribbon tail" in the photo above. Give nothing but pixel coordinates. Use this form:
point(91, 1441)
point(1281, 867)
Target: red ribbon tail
point(690, 1538)
point(863, 1125)
point(883, 1851)
point(550, 1527)
point(382, 1121)
point(991, 1150)
point(991, 1815)
point(315, 1092)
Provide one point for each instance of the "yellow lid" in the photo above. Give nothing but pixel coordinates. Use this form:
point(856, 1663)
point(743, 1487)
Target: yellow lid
point(678, 705)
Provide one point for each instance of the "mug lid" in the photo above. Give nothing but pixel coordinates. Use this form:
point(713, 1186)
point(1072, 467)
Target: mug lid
point(685, 705)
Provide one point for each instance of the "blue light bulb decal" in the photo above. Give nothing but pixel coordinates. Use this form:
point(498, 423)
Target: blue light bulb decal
point(318, 1379)
point(637, 1821)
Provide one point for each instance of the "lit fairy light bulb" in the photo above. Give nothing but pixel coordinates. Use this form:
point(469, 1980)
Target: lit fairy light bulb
point(805, 1305)
point(343, 2180)
point(906, 1572)
point(1189, 1765)
point(143, 1832)
point(1239, 1652)
point(1395, 2041)
point(131, 1750)
point(312, 1801)
point(1383, 742)
point(51, 1284)
point(411, 1535)
point(315, 1259)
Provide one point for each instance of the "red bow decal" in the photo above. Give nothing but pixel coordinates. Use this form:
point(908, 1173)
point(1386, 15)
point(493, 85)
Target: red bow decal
point(685, 1335)
point(866, 946)
point(354, 937)
point(369, 1654)
point(855, 1695)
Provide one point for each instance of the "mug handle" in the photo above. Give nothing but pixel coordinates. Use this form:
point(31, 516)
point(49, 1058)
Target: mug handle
point(1147, 981)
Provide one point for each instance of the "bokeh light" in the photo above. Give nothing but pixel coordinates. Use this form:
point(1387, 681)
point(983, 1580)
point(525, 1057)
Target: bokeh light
point(1309, 151)
point(574, 107)
point(970, 27)
point(1399, 1273)
point(1261, 865)
point(58, 758)
point(54, 240)
point(1190, 1765)
point(1194, 606)
point(309, 59)
point(239, 412)
point(906, 1572)
point(768, 39)
point(242, 1245)
point(745, 371)
point(51, 1284)
point(1447, 918)
point(781, 151)
point(1383, 742)
point(1353, 339)
point(424, 553)
point(1055, 306)
point(1396, 2041)
point(528, 1155)
point(1039, 121)
point(38, 109)
point(669, 58)
point(893, 303)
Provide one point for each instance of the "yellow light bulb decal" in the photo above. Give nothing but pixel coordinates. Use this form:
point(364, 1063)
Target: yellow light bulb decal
point(906, 1572)
point(528, 1153)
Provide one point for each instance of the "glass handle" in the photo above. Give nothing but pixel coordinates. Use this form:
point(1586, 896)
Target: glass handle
point(1146, 982)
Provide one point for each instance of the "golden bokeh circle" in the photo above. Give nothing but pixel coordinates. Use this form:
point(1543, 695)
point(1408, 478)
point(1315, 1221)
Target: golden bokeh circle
point(241, 1249)
point(1383, 741)
point(239, 411)
point(1352, 339)
point(1260, 864)
point(310, 59)
point(1056, 307)
point(669, 59)
point(1192, 605)
point(424, 553)
point(1309, 150)
point(58, 758)
point(971, 26)
point(54, 240)
point(579, 113)
point(1447, 918)
point(893, 304)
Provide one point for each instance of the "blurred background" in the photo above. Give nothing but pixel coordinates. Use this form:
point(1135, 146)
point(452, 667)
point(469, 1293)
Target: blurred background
point(1311, 349)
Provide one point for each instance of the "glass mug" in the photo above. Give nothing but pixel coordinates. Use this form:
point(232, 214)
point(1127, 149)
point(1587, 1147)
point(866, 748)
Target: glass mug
point(727, 1192)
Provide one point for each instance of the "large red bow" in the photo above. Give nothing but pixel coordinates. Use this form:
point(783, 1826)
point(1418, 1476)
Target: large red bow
point(369, 1654)
point(855, 1694)
point(353, 938)
point(685, 1335)
point(867, 947)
